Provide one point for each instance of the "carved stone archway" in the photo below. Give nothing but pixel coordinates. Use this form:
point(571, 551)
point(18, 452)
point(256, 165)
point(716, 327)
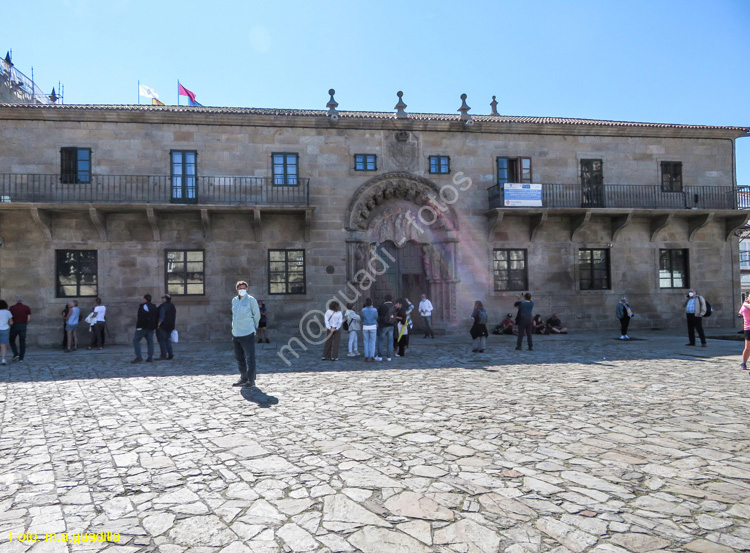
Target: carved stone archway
point(404, 208)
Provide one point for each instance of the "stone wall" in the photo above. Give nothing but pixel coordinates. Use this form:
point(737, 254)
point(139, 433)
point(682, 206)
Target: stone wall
point(131, 261)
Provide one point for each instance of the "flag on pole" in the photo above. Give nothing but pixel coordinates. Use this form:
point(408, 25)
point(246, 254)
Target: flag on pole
point(182, 91)
point(156, 102)
point(147, 91)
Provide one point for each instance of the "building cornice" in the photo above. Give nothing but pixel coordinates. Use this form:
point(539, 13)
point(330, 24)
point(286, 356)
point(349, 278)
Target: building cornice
point(319, 119)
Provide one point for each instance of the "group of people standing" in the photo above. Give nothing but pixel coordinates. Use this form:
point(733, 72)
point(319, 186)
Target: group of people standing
point(13, 321)
point(384, 329)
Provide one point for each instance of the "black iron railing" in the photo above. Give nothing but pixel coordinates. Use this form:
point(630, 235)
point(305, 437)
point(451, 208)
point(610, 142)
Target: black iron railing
point(627, 196)
point(155, 189)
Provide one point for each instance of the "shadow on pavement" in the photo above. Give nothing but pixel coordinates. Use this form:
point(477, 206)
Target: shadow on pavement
point(256, 395)
point(448, 351)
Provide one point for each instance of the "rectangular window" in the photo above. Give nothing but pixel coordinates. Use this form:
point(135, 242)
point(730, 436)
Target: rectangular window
point(286, 271)
point(509, 270)
point(440, 165)
point(593, 266)
point(76, 272)
point(365, 162)
point(184, 168)
point(185, 273)
point(514, 169)
point(671, 176)
point(285, 169)
point(75, 165)
point(673, 269)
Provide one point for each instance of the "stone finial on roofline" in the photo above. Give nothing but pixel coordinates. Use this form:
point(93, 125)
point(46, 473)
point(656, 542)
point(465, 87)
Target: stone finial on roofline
point(464, 109)
point(400, 113)
point(493, 103)
point(332, 105)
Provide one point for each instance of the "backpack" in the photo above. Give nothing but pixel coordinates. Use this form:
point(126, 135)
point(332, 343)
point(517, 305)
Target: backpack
point(708, 308)
point(387, 315)
point(482, 319)
point(345, 326)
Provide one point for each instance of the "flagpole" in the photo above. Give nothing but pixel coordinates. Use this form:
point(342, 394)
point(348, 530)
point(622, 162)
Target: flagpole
point(178, 92)
point(139, 92)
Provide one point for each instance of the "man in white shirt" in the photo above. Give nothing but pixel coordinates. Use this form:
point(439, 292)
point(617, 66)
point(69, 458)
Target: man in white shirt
point(425, 309)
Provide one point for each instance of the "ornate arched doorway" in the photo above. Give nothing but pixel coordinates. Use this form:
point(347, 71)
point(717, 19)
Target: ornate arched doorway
point(402, 240)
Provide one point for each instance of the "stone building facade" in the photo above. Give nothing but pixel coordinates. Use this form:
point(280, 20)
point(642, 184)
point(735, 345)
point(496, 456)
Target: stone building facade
point(305, 205)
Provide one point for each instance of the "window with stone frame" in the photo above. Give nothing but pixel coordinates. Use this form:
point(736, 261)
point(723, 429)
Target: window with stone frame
point(514, 170)
point(285, 169)
point(510, 269)
point(75, 165)
point(365, 162)
point(673, 268)
point(440, 165)
point(671, 176)
point(185, 272)
point(76, 273)
point(286, 272)
point(594, 270)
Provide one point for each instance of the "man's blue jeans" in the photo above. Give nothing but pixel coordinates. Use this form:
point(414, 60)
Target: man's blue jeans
point(385, 338)
point(165, 342)
point(149, 336)
point(244, 353)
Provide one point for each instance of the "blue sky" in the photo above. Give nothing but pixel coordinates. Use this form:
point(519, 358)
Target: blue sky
point(665, 61)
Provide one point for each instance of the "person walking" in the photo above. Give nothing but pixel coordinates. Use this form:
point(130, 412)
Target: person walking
point(71, 326)
point(333, 322)
point(21, 316)
point(525, 320)
point(6, 321)
point(65, 314)
point(164, 327)
point(145, 325)
point(386, 322)
point(245, 320)
point(478, 330)
point(99, 311)
point(353, 323)
point(745, 314)
point(369, 329)
point(624, 313)
point(263, 324)
point(425, 309)
point(695, 309)
point(402, 326)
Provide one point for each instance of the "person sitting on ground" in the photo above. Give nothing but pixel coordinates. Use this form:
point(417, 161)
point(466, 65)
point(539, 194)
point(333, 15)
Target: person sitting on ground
point(554, 325)
point(538, 325)
point(508, 325)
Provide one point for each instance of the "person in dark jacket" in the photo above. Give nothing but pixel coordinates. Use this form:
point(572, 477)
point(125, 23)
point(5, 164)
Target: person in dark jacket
point(165, 326)
point(144, 328)
point(478, 330)
point(525, 320)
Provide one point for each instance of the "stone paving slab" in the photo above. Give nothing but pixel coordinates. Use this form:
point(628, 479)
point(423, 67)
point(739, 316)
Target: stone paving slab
point(586, 444)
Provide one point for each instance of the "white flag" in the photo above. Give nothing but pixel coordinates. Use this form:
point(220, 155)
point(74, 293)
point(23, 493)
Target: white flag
point(147, 91)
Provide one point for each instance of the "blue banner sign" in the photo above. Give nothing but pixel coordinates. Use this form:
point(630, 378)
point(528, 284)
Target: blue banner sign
point(522, 195)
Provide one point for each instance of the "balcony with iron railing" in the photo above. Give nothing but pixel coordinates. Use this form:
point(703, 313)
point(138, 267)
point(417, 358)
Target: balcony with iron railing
point(288, 191)
point(628, 196)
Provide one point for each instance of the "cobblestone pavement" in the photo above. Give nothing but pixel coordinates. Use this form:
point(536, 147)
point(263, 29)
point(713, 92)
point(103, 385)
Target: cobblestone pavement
point(586, 443)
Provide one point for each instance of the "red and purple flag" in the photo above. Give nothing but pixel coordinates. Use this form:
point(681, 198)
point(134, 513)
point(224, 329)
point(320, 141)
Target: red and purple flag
point(182, 91)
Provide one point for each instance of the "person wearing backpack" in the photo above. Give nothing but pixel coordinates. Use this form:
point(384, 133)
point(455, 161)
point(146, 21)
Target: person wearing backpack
point(695, 310)
point(386, 322)
point(525, 320)
point(352, 323)
point(479, 328)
